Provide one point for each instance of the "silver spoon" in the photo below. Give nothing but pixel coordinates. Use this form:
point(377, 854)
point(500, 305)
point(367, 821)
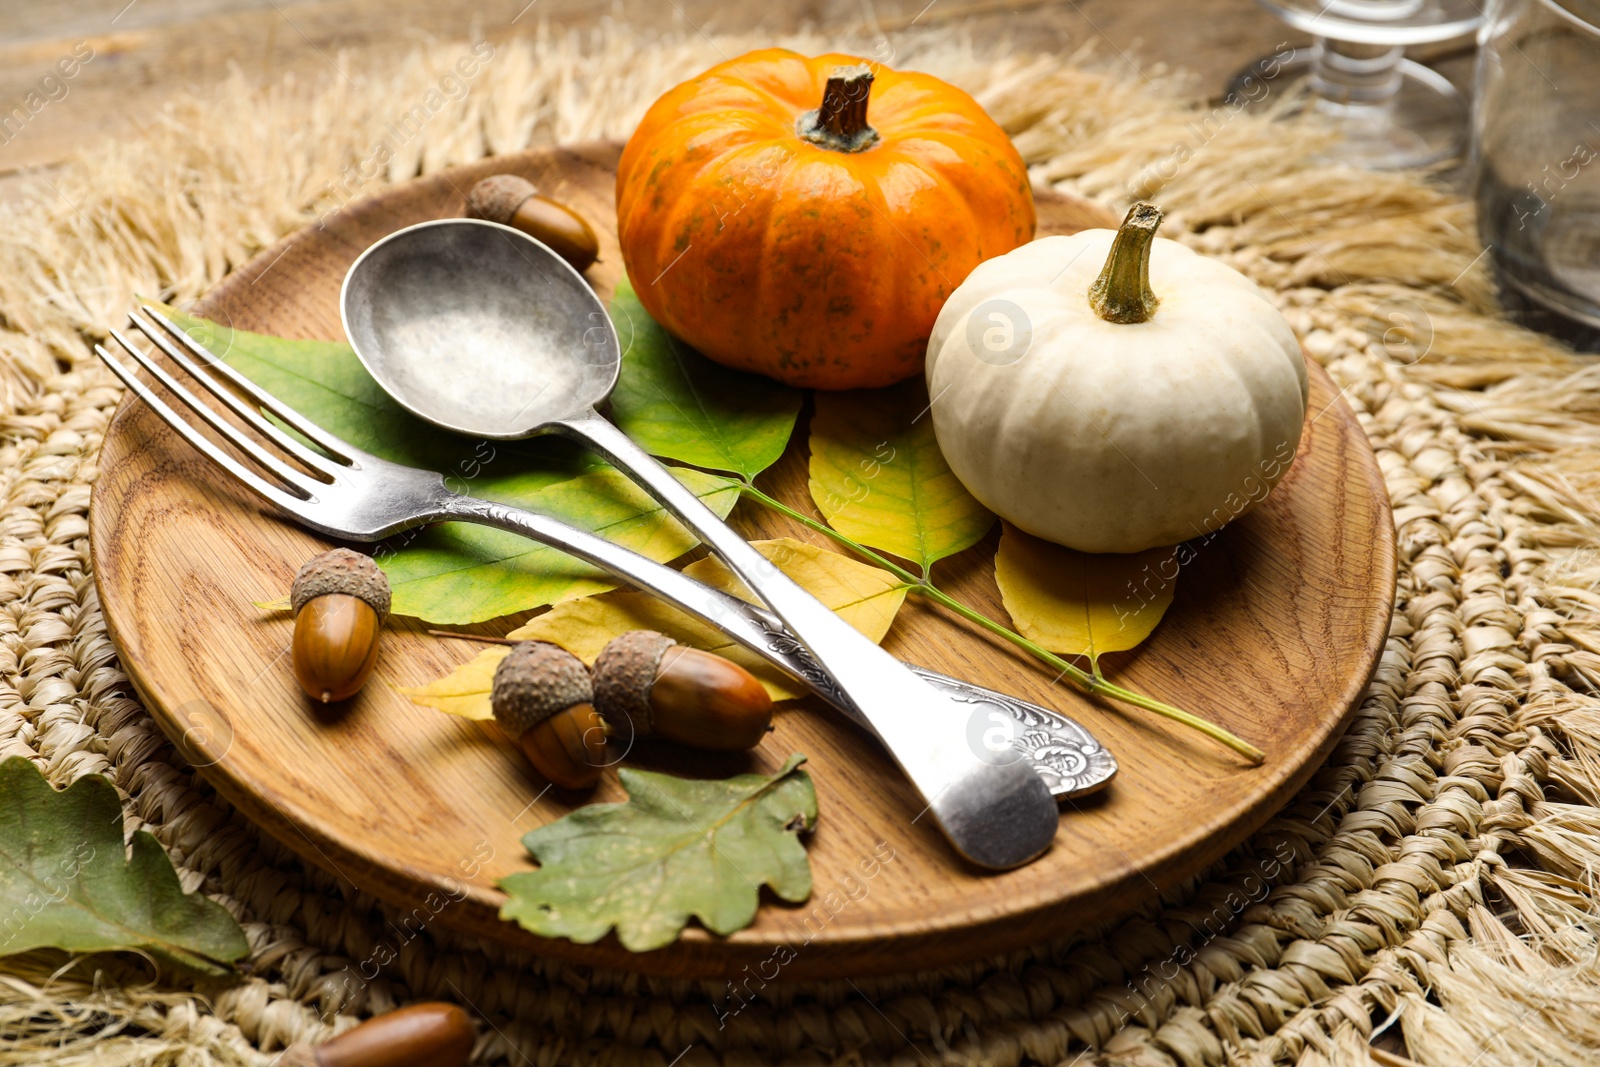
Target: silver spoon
point(481, 329)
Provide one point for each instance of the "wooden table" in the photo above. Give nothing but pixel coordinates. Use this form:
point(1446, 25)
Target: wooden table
point(144, 51)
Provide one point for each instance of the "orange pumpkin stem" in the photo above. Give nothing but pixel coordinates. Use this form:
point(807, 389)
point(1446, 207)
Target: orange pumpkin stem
point(840, 123)
point(1122, 293)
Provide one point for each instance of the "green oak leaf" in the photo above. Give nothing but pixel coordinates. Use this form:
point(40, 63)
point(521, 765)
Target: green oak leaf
point(458, 573)
point(677, 848)
point(67, 882)
point(679, 405)
point(877, 475)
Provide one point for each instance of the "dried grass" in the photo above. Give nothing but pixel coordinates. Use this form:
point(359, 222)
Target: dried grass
point(1468, 782)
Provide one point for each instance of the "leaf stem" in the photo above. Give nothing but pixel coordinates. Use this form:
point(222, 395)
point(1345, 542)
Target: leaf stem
point(1093, 684)
point(859, 549)
point(474, 637)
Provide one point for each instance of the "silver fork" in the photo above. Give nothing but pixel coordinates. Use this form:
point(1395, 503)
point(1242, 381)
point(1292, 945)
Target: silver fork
point(360, 497)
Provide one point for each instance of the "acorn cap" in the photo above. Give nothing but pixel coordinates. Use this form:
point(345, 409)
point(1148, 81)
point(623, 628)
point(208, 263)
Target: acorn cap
point(623, 674)
point(498, 196)
point(535, 681)
point(341, 571)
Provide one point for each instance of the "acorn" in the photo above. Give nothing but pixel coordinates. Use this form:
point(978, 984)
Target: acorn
point(648, 685)
point(432, 1034)
point(542, 696)
point(515, 202)
point(340, 600)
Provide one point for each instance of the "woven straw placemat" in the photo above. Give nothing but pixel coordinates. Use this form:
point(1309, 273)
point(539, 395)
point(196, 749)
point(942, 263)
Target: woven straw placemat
point(1437, 874)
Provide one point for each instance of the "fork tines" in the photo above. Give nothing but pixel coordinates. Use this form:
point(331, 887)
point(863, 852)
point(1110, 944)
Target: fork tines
point(297, 485)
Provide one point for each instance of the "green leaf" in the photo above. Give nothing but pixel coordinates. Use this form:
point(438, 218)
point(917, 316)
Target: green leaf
point(457, 573)
point(325, 382)
point(677, 848)
point(66, 881)
point(679, 405)
point(1081, 603)
point(877, 475)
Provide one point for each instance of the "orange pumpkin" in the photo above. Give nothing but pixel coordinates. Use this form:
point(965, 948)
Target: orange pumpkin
point(806, 218)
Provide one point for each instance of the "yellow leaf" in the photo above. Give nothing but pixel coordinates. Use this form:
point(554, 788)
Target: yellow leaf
point(864, 596)
point(1079, 604)
point(878, 477)
point(465, 690)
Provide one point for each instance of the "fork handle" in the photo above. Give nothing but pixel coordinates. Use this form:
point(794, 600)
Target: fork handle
point(998, 815)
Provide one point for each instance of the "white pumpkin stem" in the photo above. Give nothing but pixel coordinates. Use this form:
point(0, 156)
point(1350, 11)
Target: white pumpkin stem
point(841, 122)
point(1122, 293)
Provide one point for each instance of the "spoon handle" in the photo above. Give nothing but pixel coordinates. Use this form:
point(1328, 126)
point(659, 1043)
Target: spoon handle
point(996, 814)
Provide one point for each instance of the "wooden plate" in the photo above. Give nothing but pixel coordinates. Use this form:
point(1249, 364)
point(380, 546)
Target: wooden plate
point(1275, 631)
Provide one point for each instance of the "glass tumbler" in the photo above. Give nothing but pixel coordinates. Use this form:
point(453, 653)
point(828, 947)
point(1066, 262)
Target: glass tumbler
point(1536, 159)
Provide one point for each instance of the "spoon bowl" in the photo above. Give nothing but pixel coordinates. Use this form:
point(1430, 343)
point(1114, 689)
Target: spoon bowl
point(479, 328)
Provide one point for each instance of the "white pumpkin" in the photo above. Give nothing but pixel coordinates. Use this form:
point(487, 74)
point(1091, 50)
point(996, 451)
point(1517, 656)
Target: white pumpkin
point(1115, 436)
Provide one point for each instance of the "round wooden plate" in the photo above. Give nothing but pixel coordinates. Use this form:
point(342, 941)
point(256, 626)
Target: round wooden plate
point(1276, 628)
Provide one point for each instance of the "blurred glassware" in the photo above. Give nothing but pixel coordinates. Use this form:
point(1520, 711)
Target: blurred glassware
point(1536, 142)
point(1393, 113)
